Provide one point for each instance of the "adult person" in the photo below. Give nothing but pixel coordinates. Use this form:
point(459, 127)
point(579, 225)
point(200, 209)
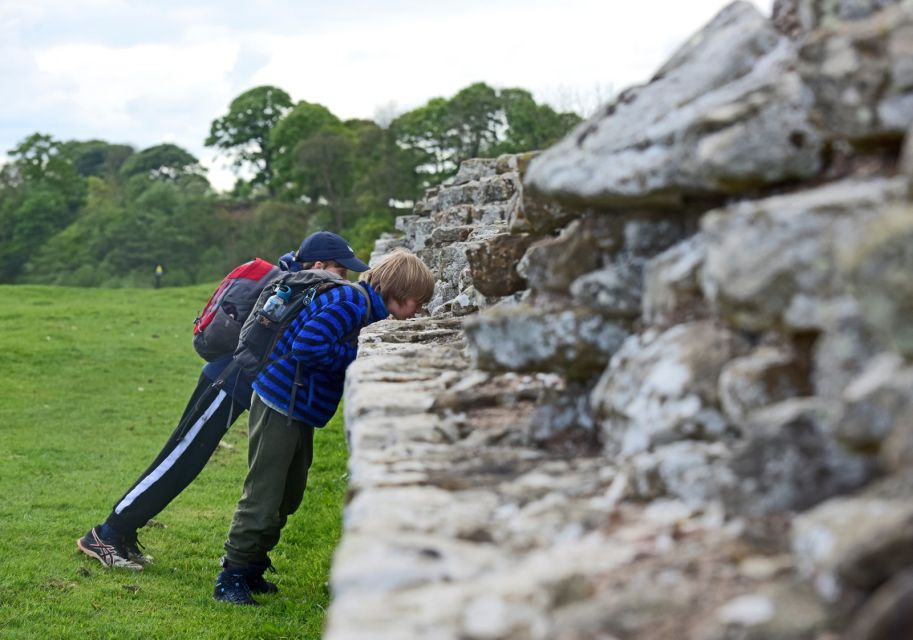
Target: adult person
point(208, 415)
point(284, 415)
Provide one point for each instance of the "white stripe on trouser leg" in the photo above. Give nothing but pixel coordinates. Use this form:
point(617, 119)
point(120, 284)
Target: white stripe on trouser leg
point(168, 462)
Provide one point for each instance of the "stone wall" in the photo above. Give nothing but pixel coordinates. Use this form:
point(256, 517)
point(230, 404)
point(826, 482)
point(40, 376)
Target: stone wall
point(665, 388)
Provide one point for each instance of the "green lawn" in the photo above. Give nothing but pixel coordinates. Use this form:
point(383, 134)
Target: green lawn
point(91, 385)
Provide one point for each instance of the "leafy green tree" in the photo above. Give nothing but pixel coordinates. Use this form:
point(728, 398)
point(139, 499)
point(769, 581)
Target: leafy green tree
point(39, 159)
point(477, 121)
point(473, 117)
point(306, 119)
point(274, 229)
point(167, 162)
point(41, 193)
point(384, 172)
point(245, 130)
point(424, 132)
point(97, 157)
point(531, 126)
point(325, 170)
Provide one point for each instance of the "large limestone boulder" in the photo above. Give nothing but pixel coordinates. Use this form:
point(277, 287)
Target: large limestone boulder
point(772, 262)
point(861, 74)
point(726, 113)
point(662, 387)
point(573, 341)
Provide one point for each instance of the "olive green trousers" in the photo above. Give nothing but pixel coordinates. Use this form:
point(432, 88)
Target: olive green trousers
point(279, 455)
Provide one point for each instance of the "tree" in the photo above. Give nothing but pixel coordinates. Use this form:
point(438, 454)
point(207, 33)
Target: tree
point(97, 157)
point(423, 132)
point(531, 126)
point(41, 193)
point(245, 130)
point(302, 122)
point(473, 119)
point(384, 172)
point(477, 121)
point(40, 159)
point(164, 162)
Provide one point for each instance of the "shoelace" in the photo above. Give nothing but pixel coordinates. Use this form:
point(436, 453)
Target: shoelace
point(132, 543)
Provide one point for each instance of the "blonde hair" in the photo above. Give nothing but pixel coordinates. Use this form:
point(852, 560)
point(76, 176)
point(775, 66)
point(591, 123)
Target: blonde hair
point(399, 276)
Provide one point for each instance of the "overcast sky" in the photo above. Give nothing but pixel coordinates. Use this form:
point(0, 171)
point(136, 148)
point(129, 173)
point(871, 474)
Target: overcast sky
point(147, 72)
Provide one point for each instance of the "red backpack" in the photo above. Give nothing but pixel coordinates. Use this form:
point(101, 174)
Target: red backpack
point(217, 327)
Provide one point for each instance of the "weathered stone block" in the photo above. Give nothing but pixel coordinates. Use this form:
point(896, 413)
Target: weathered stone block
point(646, 235)
point(788, 461)
point(475, 169)
point(575, 342)
point(553, 264)
point(563, 420)
point(493, 264)
point(765, 256)
point(880, 269)
point(814, 14)
point(843, 349)
point(855, 542)
point(454, 216)
point(876, 402)
point(441, 236)
point(692, 471)
point(671, 281)
point(660, 388)
point(861, 75)
point(614, 291)
point(765, 376)
point(727, 112)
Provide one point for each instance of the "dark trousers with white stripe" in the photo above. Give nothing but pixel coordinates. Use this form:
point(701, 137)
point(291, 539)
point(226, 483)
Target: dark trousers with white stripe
point(207, 417)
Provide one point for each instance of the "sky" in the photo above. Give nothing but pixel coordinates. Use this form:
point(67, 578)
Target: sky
point(154, 71)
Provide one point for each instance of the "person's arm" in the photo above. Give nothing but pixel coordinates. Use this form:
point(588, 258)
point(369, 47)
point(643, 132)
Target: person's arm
point(319, 342)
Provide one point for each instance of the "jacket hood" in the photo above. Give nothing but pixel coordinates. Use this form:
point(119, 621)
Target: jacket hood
point(288, 263)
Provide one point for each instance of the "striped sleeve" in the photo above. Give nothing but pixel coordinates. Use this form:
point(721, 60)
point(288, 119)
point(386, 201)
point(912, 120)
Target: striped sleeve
point(319, 341)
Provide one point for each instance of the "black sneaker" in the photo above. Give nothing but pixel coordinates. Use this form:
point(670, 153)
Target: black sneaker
point(109, 552)
point(256, 581)
point(231, 586)
point(135, 550)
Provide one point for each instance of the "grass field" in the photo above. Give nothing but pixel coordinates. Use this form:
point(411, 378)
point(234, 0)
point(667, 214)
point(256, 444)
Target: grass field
point(92, 383)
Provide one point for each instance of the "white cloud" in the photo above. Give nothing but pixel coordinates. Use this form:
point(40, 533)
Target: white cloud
point(143, 74)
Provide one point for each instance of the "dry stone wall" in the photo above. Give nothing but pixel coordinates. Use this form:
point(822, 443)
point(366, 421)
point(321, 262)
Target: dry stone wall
point(664, 390)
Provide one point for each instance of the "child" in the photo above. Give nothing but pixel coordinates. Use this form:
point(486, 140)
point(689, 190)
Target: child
point(280, 450)
point(208, 415)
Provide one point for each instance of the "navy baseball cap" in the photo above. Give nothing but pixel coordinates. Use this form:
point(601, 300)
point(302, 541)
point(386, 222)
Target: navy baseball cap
point(325, 245)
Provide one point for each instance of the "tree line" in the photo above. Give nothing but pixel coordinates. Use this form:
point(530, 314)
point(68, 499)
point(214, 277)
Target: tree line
point(93, 213)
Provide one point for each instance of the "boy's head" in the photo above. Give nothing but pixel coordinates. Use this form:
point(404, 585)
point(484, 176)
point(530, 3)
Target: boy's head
point(331, 251)
point(403, 281)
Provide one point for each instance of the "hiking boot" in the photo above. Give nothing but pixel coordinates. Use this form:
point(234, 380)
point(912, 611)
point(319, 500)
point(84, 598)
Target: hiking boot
point(231, 586)
point(255, 580)
point(135, 550)
point(111, 552)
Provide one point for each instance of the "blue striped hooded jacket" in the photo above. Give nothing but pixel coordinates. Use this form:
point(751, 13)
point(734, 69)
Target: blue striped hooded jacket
point(316, 341)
